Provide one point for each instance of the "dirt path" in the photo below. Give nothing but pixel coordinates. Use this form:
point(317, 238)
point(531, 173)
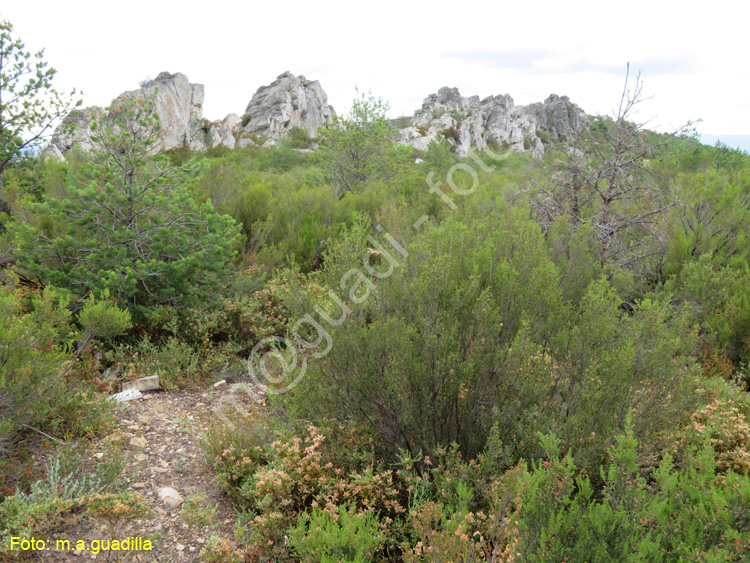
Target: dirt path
point(158, 435)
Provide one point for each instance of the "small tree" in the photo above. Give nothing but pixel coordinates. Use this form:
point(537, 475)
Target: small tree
point(28, 104)
point(606, 184)
point(128, 224)
point(359, 148)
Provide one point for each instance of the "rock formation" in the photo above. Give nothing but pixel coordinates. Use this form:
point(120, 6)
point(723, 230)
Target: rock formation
point(289, 101)
point(559, 116)
point(293, 101)
point(494, 121)
point(74, 130)
point(178, 103)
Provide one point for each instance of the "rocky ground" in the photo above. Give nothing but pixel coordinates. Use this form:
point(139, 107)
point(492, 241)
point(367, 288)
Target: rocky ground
point(158, 435)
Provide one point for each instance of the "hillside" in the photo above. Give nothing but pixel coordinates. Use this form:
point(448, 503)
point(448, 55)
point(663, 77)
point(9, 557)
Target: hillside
point(487, 332)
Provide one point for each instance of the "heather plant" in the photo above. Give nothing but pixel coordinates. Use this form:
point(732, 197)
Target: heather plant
point(673, 514)
point(340, 535)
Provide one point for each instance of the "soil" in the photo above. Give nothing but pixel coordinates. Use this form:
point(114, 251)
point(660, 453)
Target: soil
point(158, 434)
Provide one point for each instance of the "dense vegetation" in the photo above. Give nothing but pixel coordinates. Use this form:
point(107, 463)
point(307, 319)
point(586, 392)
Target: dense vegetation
point(552, 366)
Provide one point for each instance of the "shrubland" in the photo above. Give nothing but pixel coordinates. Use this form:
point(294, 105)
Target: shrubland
point(514, 379)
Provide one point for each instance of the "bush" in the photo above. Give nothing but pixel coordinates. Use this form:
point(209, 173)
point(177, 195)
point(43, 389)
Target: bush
point(685, 514)
point(336, 536)
point(36, 389)
point(471, 330)
point(69, 482)
point(298, 138)
point(279, 473)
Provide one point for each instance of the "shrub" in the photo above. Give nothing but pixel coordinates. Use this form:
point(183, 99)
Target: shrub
point(35, 385)
point(340, 535)
point(471, 330)
point(69, 482)
point(279, 473)
point(195, 511)
point(298, 138)
point(221, 550)
point(678, 514)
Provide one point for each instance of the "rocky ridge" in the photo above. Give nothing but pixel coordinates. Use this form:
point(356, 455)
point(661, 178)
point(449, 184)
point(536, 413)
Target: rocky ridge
point(294, 102)
point(494, 121)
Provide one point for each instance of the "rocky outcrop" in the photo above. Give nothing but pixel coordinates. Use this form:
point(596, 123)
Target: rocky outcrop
point(289, 101)
point(178, 103)
point(559, 116)
point(492, 122)
point(293, 101)
point(75, 129)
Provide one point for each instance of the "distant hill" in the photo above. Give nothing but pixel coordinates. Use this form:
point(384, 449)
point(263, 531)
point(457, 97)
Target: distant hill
point(735, 141)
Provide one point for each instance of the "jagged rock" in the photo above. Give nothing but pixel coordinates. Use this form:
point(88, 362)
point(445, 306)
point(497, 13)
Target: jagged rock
point(52, 153)
point(244, 142)
point(75, 129)
point(559, 116)
point(289, 101)
point(494, 121)
point(213, 134)
point(178, 103)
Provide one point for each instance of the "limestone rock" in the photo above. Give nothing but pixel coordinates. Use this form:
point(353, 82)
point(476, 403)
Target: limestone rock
point(178, 103)
point(492, 122)
point(75, 129)
point(559, 116)
point(53, 154)
point(128, 395)
point(244, 143)
point(170, 497)
point(150, 383)
point(290, 101)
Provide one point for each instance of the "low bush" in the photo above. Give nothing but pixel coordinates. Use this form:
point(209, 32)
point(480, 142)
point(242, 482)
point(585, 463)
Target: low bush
point(336, 536)
point(40, 348)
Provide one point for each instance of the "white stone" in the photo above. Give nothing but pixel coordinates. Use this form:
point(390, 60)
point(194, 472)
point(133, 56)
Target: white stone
point(150, 383)
point(170, 497)
point(128, 395)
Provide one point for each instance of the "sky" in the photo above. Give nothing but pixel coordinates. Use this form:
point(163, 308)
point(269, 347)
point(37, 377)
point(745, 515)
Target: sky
point(693, 62)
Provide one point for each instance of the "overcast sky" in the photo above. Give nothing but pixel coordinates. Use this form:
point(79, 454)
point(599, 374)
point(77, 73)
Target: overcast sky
point(694, 63)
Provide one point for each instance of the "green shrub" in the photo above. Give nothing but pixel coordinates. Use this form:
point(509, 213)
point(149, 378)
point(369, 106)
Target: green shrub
point(503, 356)
point(69, 482)
point(336, 536)
point(221, 550)
point(36, 388)
point(196, 513)
point(676, 514)
point(297, 138)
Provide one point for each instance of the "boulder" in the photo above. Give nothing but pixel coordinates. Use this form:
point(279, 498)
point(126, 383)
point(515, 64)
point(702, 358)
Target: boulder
point(289, 101)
